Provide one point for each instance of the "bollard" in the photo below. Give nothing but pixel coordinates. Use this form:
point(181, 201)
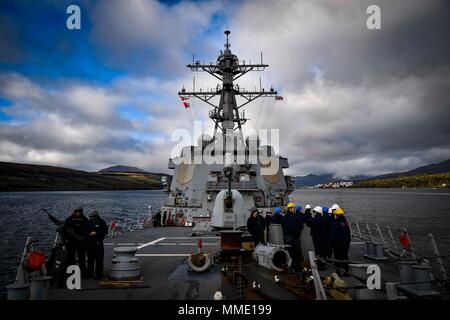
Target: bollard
point(379, 251)
point(125, 265)
point(18, 291)
point(406, 274)
point(392, 292)
point(422, 275)
point(375, 251)
point(40, 288)
point(370, 249)
point(418, 275)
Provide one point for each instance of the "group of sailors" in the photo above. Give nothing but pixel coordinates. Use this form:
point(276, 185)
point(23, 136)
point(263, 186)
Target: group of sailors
point(86, 240)
point(159, 220)
point(329, 230)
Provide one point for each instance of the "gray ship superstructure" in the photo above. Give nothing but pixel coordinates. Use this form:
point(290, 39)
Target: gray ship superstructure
point(220, 178)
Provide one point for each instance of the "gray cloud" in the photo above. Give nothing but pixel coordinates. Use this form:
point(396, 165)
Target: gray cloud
point(356, 101)
point(81, 125)
point(77, 124)
point(149, 37)
point(298, 37)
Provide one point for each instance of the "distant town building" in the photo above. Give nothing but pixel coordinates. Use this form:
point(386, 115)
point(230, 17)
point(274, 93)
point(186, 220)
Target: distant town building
point(335, 184)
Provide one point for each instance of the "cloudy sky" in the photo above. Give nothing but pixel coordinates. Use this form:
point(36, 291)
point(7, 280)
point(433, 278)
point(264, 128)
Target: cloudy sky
point(356, 101)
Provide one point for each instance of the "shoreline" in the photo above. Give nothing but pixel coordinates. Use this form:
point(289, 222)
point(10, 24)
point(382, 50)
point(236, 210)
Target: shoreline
point(298, 188)
point(78, 190)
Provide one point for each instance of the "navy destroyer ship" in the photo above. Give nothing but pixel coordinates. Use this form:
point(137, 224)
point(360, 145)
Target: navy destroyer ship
point(205, 252)
point(254, 172)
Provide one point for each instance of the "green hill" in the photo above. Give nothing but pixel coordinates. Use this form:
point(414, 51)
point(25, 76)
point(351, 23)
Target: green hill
point(441, 167)
point(439, 180)
point(29, 177)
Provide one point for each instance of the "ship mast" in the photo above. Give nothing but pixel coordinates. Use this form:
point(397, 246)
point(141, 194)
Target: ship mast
point(227, 69)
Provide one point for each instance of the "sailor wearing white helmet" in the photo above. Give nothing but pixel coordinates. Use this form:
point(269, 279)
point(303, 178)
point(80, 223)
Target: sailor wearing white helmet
point(334, 207)
point(308, 209)
point(319, 234)
point(331, 211)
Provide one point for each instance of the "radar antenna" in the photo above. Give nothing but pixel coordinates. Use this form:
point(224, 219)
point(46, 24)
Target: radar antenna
point(227, 45)
point(227, 69)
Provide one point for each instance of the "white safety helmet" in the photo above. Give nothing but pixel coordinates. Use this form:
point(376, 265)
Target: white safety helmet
point(308, 206)
point(334, 207)
point(318, 209)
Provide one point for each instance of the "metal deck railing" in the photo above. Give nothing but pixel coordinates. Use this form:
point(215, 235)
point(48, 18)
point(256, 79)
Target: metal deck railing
point(119, 226)
point(422, 247)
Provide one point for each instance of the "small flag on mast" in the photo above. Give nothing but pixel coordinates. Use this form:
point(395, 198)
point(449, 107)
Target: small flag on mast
point(185, 101)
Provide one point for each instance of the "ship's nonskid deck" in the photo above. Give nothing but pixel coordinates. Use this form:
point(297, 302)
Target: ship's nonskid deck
point(162, 257)
point(164, 250)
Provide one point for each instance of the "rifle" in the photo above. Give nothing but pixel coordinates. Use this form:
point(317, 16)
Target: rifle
point(62, 229)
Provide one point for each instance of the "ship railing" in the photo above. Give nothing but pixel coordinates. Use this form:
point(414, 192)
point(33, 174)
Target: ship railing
point(420, 248)
point(119, 226)
point(23, 276)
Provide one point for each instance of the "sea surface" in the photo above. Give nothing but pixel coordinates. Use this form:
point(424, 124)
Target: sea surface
point(421, 211)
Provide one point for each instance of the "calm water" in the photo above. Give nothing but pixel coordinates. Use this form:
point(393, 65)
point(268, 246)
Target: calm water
point(421, 211)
